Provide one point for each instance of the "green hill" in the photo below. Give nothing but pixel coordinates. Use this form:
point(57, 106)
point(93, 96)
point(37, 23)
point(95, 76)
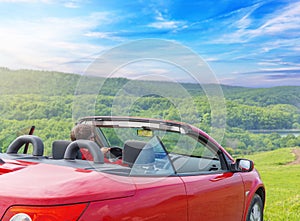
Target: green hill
point(52, 100)
point(57, 83)
point(264, 96)
point(36, 82)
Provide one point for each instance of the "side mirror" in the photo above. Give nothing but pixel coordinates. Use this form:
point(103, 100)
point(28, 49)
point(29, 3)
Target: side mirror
point(243, 165)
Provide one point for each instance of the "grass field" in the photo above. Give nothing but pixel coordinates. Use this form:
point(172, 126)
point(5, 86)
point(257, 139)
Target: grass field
point(282, 183)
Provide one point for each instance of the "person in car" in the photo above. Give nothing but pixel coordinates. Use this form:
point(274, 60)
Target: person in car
point(85, 132)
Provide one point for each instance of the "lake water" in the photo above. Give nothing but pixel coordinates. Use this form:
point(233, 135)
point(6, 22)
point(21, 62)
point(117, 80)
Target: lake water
point(283, 133)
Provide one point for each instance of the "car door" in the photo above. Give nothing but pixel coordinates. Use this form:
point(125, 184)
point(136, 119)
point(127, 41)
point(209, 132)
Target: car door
point(160, 199)
point(213, 192)
point(215, 197)
point(160, 194)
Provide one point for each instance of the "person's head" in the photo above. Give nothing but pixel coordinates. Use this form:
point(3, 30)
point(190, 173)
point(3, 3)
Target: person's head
point(82, 131)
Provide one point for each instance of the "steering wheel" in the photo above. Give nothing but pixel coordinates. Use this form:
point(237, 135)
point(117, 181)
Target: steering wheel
point(114, 154)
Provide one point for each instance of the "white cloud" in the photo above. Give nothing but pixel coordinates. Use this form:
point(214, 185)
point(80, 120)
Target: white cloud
point(211, 59)
point(159, 16)
point(165, 25)
point(280, 69)
point(104, 35)
point(246, 21)
point(290, 44)
point(162, 22)
point(73, 3)
point(27, 1)
point(48, 43)
point(268, 63)
point(286, 19)
point(66, 3)
point(256, 81)
point(280, 22)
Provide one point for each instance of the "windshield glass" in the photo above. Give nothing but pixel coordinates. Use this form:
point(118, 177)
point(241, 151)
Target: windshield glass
point(144, 154)
point(153, 159)
point(152, 151)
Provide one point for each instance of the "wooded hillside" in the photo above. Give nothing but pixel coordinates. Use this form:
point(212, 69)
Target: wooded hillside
point(49, 100)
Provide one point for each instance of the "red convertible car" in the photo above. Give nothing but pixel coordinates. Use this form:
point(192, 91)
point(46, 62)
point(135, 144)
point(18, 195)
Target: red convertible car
point(155, 170)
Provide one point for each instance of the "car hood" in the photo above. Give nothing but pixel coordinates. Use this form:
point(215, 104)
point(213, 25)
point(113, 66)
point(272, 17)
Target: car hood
point(26, 183)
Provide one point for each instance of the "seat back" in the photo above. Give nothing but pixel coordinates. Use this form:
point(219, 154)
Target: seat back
point(131, 151)
point(59, 148)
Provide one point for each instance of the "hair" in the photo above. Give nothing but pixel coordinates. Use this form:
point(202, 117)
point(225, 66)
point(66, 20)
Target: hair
point(82, 131)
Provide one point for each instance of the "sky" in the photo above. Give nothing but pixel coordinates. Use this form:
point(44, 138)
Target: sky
point(251, 43)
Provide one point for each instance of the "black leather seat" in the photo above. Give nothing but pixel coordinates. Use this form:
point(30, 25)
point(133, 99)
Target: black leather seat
point(59, 148)
point(132, 153)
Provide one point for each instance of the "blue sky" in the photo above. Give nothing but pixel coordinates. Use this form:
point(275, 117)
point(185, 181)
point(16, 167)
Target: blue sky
point(253, 43)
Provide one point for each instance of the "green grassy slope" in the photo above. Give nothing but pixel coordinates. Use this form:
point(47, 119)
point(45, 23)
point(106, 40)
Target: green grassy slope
point(282, 183)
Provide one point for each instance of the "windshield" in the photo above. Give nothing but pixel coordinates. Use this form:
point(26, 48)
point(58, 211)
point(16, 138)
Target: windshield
point(149, 152)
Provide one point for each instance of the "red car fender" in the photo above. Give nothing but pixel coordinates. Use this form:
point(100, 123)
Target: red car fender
point(252, 185)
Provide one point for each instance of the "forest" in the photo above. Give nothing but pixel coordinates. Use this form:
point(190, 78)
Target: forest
point(53, 101)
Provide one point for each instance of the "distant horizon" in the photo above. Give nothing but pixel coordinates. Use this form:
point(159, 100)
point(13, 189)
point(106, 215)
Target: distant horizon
point(195, 83)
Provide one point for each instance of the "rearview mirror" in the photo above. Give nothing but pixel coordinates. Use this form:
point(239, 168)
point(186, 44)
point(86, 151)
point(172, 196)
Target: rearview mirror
point(144, 133)
point(243, 165)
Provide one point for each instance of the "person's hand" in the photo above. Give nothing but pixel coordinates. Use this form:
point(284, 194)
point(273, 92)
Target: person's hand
point(105, 150)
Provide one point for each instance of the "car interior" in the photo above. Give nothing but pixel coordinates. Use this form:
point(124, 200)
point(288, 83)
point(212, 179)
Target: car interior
point(146, 152)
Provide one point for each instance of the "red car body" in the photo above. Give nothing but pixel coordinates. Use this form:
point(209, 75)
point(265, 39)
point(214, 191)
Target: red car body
point(41, 188)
